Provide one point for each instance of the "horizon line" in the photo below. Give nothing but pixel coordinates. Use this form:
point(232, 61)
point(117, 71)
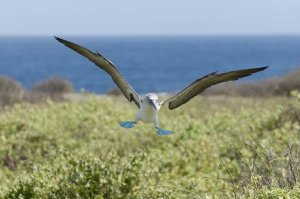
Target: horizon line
point(150, 35)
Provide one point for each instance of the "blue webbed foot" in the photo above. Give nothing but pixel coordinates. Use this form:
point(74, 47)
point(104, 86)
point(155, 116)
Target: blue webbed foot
point(160, 131)
point(128, 124)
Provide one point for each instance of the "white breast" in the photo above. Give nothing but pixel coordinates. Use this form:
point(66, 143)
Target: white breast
point(147, 113)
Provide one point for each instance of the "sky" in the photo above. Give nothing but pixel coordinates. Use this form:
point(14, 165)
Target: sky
point(154, 17)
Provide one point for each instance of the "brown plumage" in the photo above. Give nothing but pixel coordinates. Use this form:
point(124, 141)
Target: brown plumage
point(203, 83)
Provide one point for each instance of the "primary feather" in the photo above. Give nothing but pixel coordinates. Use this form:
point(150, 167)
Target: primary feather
point(108, 67)
point(203, 83)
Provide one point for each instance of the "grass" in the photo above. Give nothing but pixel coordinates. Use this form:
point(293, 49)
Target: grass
point(224, 147)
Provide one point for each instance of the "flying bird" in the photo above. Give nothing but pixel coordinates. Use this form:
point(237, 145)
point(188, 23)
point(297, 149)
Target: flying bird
point(149, 105)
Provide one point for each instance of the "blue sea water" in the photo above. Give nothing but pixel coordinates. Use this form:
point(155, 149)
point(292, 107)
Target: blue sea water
point(150, 64)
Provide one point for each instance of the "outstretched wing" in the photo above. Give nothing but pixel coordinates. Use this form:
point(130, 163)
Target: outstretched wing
point(108, 67)
point(203, 83)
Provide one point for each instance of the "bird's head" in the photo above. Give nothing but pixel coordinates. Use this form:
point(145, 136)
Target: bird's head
point(152, 100)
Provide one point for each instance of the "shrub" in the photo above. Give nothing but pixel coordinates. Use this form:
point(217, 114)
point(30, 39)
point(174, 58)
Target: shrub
point(53, 88)
point(85, 177)
point(54, 85)
point(270, 173)
point(10, 91)
point(114, 92)
point(107, 161)
point(38, 97)
point(290, 82)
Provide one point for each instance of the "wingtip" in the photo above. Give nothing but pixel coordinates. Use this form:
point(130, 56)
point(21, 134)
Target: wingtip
point(264, 68)
point(260, 68)
point(58, 39)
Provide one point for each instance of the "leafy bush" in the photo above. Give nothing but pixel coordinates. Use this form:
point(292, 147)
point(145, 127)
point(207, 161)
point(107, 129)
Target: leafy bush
point(223, 147)
point(85, 177)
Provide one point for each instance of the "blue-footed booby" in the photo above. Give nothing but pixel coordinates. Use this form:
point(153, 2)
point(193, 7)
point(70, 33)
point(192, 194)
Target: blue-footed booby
point(149, 106)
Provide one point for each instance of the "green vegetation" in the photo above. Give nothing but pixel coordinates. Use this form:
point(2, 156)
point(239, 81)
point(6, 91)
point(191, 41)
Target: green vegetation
point(224, 147)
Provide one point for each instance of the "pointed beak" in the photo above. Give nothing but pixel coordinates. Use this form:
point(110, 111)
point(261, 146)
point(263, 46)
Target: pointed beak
point(154, 104)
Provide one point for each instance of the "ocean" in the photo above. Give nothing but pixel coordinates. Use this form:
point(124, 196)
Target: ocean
point(150, 64)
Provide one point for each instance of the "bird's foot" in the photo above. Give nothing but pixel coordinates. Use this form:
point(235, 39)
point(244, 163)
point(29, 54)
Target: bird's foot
point(160, 131)
point(128, 124)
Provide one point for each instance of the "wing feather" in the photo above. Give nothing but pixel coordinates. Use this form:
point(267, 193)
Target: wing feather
point(108, 67)
point(203, 83)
